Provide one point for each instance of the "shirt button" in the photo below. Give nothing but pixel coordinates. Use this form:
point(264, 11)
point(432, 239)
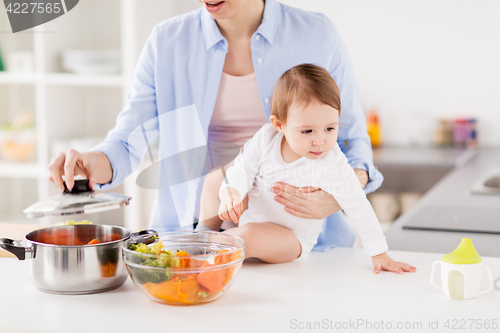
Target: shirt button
point(257, 37)
point(267, 100)
point(259, 60)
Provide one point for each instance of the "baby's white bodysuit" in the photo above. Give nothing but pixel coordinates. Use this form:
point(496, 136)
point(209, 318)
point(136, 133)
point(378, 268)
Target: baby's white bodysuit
point(261, 165)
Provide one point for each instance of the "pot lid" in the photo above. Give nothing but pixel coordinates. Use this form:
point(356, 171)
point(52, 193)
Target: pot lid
point(80, 200)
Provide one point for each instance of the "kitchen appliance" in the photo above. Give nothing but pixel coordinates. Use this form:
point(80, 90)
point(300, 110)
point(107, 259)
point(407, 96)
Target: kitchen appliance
point(61, 260)
point(476, 220)
point(461, 272)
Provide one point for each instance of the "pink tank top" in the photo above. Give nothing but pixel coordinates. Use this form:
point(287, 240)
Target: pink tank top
point(238, 112)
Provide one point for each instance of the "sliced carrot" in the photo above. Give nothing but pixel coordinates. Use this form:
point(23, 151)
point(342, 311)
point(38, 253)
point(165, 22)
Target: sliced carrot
point(108, 270)
point(94, 241)
point(224, 259)
point(176, 290)
point(57, 237)
point(211, 280)
point(183, 262)
point(63, 233)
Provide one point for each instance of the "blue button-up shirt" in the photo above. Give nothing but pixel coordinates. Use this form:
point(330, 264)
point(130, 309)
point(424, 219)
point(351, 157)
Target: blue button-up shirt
point(174, 90)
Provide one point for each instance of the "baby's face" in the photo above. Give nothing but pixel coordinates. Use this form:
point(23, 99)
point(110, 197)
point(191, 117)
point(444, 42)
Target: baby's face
point(312, 131)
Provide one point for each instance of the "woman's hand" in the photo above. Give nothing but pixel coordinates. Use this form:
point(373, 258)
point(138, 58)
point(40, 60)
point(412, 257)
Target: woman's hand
point(362, 176)
point(306, 202)
point(92, 165)
point(231, 206)
point(310, 202)
point(384, 262)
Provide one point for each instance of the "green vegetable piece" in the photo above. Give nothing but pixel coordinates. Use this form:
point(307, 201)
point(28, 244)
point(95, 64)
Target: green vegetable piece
point(150, 275)
point(165, 260)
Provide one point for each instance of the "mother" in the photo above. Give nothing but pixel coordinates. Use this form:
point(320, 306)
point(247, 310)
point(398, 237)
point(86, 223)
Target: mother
point(225, 56)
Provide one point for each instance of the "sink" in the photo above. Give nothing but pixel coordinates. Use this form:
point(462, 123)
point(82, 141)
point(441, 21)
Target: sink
point(493, 182)
point(422, 179)
point(488, 183)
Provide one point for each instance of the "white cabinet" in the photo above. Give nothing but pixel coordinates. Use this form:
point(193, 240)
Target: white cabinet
point(69, 106)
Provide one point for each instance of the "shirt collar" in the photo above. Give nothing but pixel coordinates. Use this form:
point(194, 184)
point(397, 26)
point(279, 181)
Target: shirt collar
point(267, 28)
point(270, 20)
point(210, 30)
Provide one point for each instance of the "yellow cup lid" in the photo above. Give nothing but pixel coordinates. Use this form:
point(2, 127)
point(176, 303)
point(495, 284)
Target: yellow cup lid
point(464, 254)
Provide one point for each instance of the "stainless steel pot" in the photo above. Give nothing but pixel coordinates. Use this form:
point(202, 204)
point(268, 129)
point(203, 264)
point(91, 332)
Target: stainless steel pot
point(73, 268)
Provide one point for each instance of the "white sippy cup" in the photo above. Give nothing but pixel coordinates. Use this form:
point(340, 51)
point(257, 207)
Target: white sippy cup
point(461, 272)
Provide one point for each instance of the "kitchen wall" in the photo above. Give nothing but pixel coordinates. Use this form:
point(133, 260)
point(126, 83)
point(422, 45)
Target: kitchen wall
point(416, 60)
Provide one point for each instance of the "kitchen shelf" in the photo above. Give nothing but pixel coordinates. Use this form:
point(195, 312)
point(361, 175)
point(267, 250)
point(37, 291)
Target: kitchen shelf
point(67, 106)
point(22, 170)
point(17, 78)
point(66, 79)
point(69, 79)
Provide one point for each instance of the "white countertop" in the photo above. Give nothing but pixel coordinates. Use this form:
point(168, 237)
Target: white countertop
point(333, 288)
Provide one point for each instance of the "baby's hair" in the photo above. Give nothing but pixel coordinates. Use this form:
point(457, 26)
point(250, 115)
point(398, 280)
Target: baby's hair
point(302, 85)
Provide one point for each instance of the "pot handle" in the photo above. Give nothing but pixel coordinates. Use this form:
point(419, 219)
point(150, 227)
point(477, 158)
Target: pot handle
point(144, 236)
point(15, 247)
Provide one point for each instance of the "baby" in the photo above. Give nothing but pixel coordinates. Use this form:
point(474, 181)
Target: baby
point(298, 147)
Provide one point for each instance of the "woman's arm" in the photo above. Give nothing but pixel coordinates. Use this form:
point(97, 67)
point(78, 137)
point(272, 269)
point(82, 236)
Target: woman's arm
point(107, 164)
point(124, 145)
point(310, 202)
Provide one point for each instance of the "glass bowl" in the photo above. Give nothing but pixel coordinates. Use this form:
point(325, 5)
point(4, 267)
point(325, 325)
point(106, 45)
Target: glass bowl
point(197, 268)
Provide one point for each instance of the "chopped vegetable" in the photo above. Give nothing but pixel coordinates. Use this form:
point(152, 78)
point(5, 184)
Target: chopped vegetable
point(59, 237)
point(212, 280)
point(164, 260)
point(176, 290)
point(132, 247)
point(173, 286)
point(183, 262)
point(108, 270)
point(72, 222)
point(154, 276)
point(92, 242)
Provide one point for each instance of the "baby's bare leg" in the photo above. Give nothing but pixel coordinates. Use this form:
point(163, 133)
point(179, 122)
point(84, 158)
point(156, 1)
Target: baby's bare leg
point(210, 202)
point(268, 242)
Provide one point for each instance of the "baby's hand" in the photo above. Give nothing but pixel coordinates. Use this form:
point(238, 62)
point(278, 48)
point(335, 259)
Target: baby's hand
point(384, 262)
point(231, 205)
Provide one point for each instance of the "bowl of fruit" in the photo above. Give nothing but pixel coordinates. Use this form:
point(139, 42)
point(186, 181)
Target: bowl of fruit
point(185, 267)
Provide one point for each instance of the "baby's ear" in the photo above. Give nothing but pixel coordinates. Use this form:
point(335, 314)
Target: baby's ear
point(277, 124)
